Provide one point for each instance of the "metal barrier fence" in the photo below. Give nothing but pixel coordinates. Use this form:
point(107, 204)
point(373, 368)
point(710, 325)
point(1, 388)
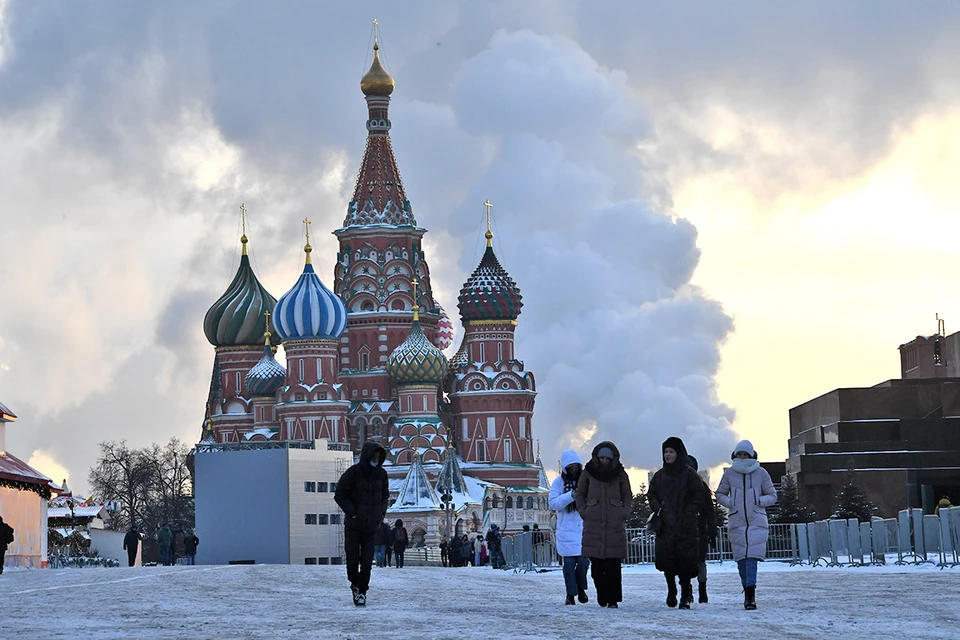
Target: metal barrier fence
point(910, 538)
point(521, 554)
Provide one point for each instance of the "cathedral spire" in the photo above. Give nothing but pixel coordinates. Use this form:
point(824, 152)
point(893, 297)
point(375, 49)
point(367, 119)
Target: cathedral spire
point(378, 198)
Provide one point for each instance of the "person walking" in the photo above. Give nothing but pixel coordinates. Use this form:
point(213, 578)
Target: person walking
point(477, 550)
point(190, 543)
point(603, 501)
point(678, 495)
point(380, 541)
point(443, 550)
point(6, 538)
point(164, 538)
point(362, 494)
point(747, 490)
point(495, 546)
point(131, 544)
point(569, 531)
point(400, 542)
point(466, 551)
point(706, 534)
point(455, 544)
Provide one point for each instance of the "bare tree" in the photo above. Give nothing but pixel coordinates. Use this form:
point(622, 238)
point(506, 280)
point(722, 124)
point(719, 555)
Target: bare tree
point(170, 497)
point(122, 474)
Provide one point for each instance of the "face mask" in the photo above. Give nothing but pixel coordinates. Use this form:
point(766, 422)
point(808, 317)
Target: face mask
point(373, 463)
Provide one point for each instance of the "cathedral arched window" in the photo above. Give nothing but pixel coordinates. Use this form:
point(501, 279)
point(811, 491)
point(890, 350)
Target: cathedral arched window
point(530, 503)
point(486, 503)
point(496, 502)
point(509, 504)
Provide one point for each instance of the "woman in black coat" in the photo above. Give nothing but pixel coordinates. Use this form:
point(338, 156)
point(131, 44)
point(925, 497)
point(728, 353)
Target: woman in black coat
point(677, 494)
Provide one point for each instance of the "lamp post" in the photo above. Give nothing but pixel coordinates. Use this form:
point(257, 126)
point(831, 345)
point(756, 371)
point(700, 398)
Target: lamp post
point(446, 498)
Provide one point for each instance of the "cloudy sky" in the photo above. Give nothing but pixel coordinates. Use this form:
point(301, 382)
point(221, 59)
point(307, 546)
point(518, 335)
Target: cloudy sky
point(715, 212)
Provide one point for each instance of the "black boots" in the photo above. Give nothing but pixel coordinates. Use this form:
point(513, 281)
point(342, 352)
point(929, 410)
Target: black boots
point(686, 595)
point(582, 596)
point(570, 600)
point(703, 592)
point(671, 591)
point(750, 598)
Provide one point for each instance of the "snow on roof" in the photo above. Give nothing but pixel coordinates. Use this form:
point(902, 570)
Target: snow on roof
point(266, 432)
point(416, 492)
point(13, 468)
point(78, 512)
point(6, 415)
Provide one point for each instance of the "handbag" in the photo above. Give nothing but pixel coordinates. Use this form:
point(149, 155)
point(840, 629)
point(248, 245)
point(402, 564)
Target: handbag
point(653, 522)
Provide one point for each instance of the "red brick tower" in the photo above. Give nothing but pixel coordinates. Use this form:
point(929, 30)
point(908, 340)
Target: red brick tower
point(380, 255)
point(491, 395)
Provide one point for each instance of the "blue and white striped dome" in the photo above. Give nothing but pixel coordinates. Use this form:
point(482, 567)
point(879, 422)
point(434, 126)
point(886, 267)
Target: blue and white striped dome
point(309, 309)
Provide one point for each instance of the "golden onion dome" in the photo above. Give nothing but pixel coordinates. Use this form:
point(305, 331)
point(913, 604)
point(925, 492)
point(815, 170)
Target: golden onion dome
point(377, 82)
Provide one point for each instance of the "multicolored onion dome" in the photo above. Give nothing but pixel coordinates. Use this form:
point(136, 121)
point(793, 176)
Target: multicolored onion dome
point(490, 293)
point(309, 309)
point(443, 337)
point(237, 319)
point(265, 377)
point(416, 360)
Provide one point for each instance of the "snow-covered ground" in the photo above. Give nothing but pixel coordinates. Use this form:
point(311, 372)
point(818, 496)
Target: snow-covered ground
point(278, 601)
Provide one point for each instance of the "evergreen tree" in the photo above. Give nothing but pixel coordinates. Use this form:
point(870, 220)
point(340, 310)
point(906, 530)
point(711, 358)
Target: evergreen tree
point(639, 509)
point(792, 508)
point(852, 502)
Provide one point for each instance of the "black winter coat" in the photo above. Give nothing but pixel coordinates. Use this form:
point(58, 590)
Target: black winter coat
point(131, 540)
point(190, 544)
point(679, 494)
point(384, 535)
point(707, 525)
point(363, 490)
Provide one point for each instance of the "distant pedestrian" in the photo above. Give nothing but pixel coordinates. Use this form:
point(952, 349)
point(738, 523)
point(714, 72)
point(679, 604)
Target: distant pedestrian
point(400, 542)
point(6, 538)
point(190, 543)
point(747, 490)
point(362, 493)
point(706, 535)
point(943, 504)
point(466, 551)
point(380, 541)
point(678, 495)
point(131, 543)
point(563, 496)
point(443, 550)
point(455, 544)
point(164, 539)
point(494, 541)
point(603, 501)
point(478, 551)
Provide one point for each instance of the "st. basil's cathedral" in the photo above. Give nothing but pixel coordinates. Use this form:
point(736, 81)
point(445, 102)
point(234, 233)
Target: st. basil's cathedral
point(364, 361)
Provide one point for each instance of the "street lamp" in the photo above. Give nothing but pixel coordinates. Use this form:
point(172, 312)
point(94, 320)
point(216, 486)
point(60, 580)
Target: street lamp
point(446, 498)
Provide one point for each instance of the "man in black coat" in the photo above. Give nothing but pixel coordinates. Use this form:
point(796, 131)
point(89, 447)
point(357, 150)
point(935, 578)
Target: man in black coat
point(6, 537)
point(131, 542)
point(362, 493)
point(455, 544)
point(190, 542)
point(707, 533)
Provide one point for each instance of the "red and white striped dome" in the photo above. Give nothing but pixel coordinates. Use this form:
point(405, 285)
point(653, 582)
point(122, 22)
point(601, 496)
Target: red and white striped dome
point(443, 337)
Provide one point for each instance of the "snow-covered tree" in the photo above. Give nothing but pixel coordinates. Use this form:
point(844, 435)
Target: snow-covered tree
point(792, 508)
point(852, 502)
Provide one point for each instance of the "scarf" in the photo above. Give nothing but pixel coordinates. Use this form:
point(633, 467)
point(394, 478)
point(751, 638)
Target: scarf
point(570, 484)
point(745, 465)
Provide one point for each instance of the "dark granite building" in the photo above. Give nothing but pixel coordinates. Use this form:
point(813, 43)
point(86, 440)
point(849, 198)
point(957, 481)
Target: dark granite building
point(900, 438)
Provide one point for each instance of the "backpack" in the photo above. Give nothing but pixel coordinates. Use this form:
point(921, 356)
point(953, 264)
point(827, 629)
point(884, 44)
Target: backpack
point(400, 535)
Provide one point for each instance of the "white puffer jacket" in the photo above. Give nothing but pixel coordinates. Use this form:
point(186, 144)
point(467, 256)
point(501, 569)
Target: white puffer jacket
point(747, 490)
point(569, 523)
